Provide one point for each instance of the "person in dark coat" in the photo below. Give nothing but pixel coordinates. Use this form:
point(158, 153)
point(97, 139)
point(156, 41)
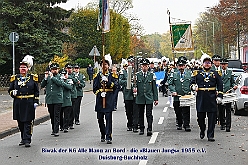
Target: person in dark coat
point(24, 89)
point(90, 72)
point(103, 87)
point(206, 82)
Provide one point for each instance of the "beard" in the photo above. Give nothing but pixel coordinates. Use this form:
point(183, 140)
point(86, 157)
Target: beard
point(206, 69)
point(181, 70)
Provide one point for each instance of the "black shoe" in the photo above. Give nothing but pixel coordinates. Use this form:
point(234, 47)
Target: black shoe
point(129, 129)
point(211, 139)
point(77, 123)
point(27, 145)
point(56, 134)
point(52, 133)
point(65, 130)
point(102, 140)
point(187, 129)
point(141, 132)
point(149, 133)
point(61, 129)
point(135, 130)
point(21, 143)
point(222, 127)
point(202, 134)
point(227, 129)
point(71, 127)
point(109, 141)
point(179, 128)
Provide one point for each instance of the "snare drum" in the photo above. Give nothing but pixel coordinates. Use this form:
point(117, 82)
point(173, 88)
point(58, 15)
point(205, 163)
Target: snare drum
point(187, 100)
point(229, 98)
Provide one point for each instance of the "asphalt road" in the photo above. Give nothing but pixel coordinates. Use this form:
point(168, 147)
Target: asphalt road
point(167, 145)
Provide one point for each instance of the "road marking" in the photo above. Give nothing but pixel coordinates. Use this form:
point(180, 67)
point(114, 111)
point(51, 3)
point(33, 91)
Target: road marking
point(161, 119)
point(153, 138)
point(168, 102)
point(165, 109)
point(143, 162)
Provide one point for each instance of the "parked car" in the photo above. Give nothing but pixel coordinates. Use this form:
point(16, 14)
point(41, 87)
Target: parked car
point(234, 64)
point(236, 72)
point(241, 105)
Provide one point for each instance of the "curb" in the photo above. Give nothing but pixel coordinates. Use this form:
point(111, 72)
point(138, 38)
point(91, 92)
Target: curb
point(16, 129)
point(36, 122)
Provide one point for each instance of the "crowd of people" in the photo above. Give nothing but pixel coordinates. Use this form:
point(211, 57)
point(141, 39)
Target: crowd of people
point(64, 91)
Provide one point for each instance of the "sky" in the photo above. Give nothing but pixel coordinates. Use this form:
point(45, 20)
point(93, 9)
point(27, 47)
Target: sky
point(153, 13)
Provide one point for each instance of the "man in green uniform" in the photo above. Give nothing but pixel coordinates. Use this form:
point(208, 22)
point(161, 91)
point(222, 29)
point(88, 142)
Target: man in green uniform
point(54, 96)
point(147, 94)
point(228, 84)
point(179, 85)
point(79, 86)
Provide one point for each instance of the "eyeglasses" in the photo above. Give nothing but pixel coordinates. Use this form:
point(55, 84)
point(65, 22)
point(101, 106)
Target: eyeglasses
point(207, 62)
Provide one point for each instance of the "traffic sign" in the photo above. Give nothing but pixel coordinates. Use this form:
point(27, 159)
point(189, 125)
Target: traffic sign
point(94, 52)
point(13, 37)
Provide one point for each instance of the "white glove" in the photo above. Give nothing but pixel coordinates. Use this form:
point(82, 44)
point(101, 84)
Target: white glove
point(14, 92)
point(166, 83)
point(219, 100)
point(194, 87)
point(35, 105)
point(104, 78)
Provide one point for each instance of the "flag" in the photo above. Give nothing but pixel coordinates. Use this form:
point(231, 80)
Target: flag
point(104, 16)
point(182, 37)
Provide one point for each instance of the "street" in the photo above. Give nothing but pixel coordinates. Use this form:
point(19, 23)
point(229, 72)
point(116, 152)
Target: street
point(166, 146)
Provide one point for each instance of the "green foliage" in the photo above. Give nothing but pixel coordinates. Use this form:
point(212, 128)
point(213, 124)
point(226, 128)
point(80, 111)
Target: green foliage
point(83, 28)
point(38, 25)
point(84, 63)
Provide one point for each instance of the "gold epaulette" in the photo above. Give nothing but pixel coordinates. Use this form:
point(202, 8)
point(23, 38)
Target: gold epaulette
point(12, 78)
point(35, 77)
point(195, 72)
point(114, 75)
point(219, 72)
point(94, 75)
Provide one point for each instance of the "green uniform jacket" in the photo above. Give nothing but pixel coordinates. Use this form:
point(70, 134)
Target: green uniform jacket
point(127, 93)
point(181, 86)
point(228, 80)
point(147, 89)
point(54, 90)
point(66, 94)
point(81, 85)
point(74, 89)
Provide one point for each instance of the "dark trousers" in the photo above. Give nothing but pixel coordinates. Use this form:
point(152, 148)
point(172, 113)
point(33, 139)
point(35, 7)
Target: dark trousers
point(116, 92)
point(71, 119)
point(26, 129)
point(182, 114)
point(149, 116)
point(225, 115)
point(106, 131)
point(54, 111)
point(211, 122)
point(61, 118)
point(129, 104)
point(135, 114)
point(66, 111)
point(77, 108)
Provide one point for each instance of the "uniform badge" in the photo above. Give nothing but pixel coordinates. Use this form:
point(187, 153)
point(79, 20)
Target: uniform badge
point(181, 79)
point(206, 79)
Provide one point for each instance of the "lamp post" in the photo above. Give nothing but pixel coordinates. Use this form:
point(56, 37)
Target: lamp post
point(206, 40)
point(213, 35)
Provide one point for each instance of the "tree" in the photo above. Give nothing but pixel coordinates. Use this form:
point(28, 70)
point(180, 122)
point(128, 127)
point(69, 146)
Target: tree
point(83, 28)
point(38, 23)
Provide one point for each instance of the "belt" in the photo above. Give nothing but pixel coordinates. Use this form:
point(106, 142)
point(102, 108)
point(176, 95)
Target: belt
point(106, 90)
point(207, 89)
point(24, 96)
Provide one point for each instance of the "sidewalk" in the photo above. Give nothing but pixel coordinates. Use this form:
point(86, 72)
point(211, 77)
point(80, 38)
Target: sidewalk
point(9, 126)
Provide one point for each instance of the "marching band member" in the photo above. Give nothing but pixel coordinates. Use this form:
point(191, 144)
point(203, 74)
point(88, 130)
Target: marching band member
point(204, 82)
point(179, 85)
point(228, 84)
point(24, 89)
